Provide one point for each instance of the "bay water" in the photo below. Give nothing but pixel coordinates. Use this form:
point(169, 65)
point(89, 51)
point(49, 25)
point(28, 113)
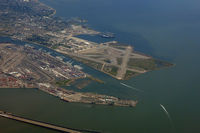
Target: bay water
point(168, 30)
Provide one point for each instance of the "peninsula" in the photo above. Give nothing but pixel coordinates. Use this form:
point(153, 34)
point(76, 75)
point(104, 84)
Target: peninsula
point(24, 66)
point(32, 21)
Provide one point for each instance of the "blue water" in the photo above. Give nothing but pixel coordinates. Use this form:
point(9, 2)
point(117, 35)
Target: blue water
point(168, 30)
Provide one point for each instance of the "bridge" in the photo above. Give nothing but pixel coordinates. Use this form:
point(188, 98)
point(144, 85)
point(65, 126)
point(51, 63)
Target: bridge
point(43, 124)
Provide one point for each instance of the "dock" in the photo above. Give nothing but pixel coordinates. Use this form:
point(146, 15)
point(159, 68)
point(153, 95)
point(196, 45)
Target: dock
point(43, 124)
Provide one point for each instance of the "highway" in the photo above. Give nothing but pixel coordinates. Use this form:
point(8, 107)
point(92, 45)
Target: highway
point(42, 124)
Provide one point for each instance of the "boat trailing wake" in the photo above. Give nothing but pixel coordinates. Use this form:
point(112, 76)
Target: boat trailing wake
point(133, 88)
point(166, 112)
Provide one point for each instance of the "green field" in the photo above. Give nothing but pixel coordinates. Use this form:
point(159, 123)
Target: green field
point(147, 64)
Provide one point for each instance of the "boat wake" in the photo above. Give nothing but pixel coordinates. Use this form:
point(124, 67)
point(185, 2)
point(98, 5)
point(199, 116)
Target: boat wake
point(166, 112)
point(133, 88)
point(170, 119)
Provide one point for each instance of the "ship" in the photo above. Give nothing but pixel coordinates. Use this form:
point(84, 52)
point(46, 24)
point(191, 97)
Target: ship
point(107, 35)
point(78, 67)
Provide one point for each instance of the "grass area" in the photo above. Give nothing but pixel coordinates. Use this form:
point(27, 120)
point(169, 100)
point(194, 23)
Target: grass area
point(118, 46)
point(93, 54)
point(92, 64)
point(62, 82)
point(147, 64)
point(161, 63)
point(114, 70)
point(130, 74)
point(96, 57)
point(111, 70)
point(119, 61)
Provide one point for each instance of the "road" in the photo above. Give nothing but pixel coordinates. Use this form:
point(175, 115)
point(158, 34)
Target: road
point(37, 123)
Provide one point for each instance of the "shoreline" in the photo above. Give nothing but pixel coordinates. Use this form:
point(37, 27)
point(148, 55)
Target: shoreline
point(110, 68)
point(61, 93)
